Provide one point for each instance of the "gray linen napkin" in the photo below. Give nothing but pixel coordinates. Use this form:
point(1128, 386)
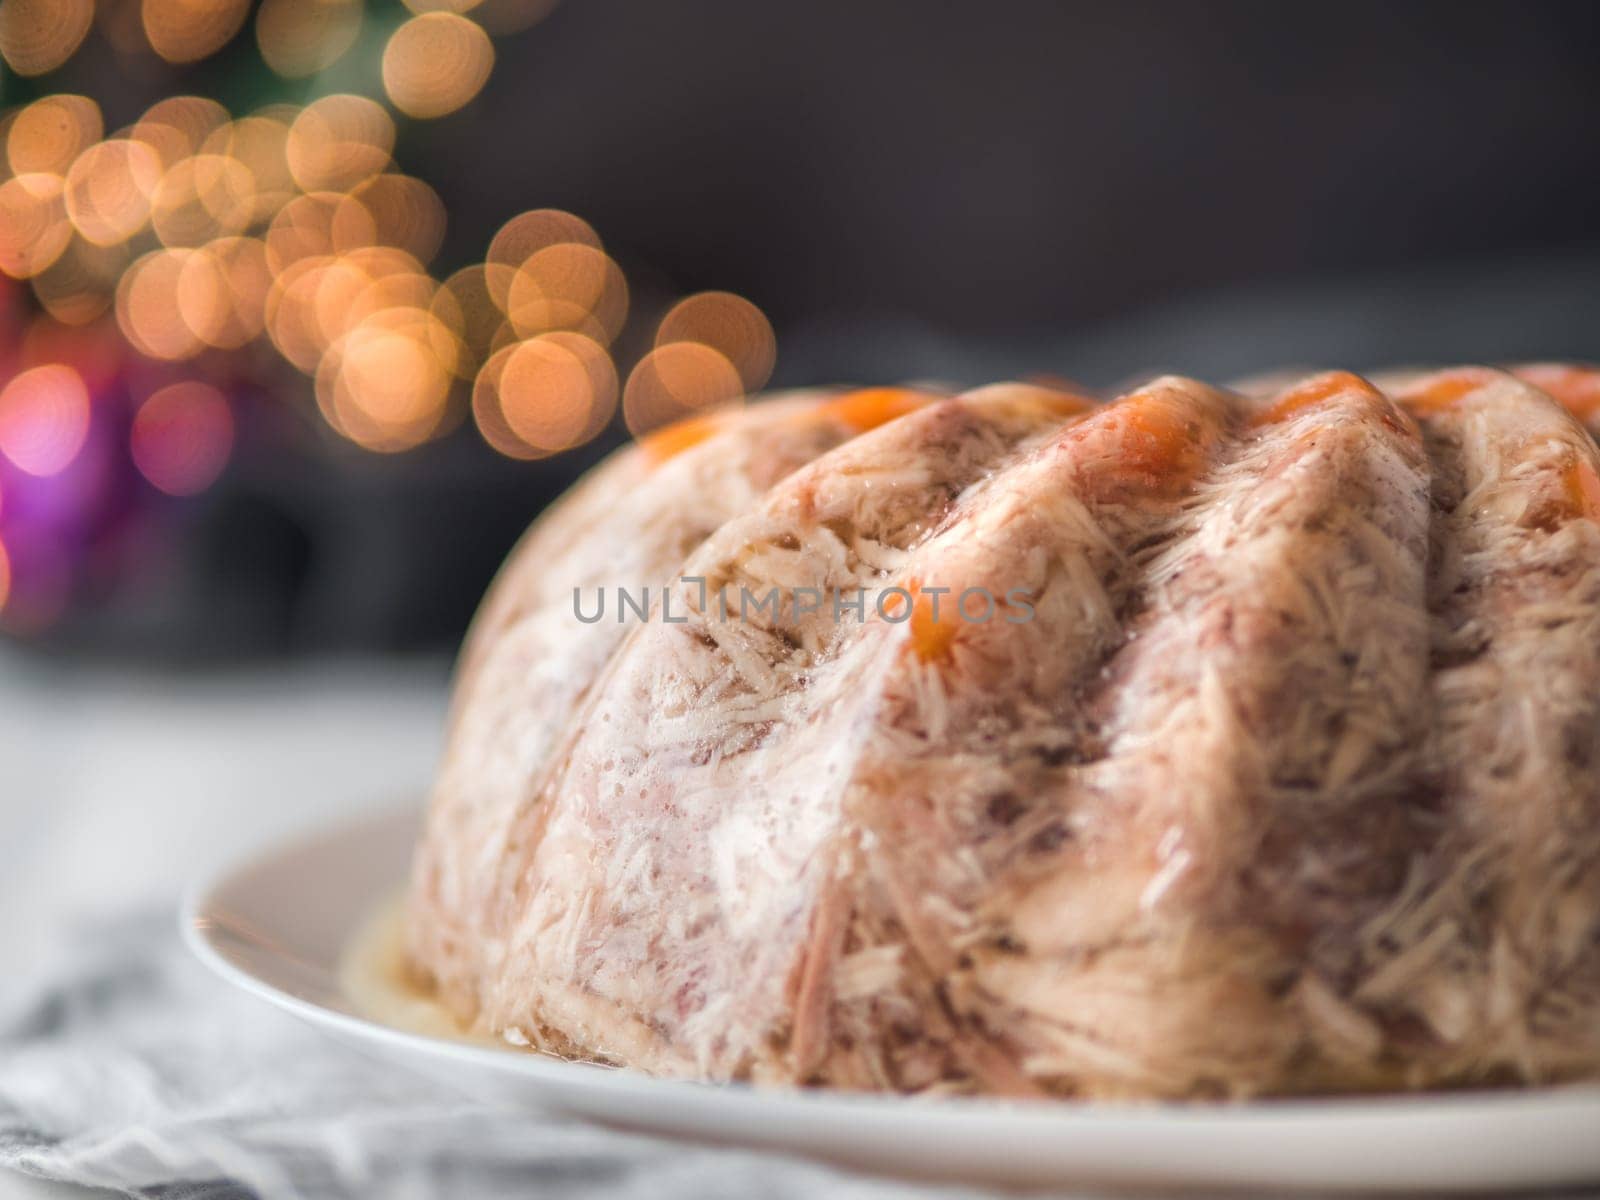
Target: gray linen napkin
point(126, 1066)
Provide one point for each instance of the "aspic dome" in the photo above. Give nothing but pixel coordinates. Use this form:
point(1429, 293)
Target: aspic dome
point(1274, 767)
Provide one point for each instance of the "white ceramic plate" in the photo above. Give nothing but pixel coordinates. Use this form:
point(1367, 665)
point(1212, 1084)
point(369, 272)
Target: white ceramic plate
point(280, 924)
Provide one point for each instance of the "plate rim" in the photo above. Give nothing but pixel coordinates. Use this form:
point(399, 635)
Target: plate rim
point(194, 926)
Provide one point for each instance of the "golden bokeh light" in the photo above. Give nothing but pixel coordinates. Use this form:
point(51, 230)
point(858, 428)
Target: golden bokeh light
point(182, 437)
point(34, 230)
point(465, 305)
point(382, 386)
point(47, 135)
point(222, 291)
point(730, 325)
point(178, 126)
point(304, 228)
point(317, 301)
point(568, 286)
point(546, 270)
point(545, 395)
point(677, 380)
point(435, 64)
point(525, 234)
point(338, 141)
point(39, 35)
point(146, 309)
point(293, 224)
point(77, 287)
point(183, 31)
point(504, 336)
point(351, 225)
point(339, 284)
point(291, 312)
point(108, 190)
point(405, 213)
point(602, 394)
point(44, 419)
point(392, 279)
point(259, 144)
point(301, 37)
point(200, 198)
point(5, 577)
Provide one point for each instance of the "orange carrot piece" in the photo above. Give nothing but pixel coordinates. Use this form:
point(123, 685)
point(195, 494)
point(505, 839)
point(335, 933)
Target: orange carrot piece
point(1439, 392)
point(868, 408)
point(1150, 433)
point(672, 440)
point(1576, 388)
point(1311, 392)
point(933, 623)
point(1063, 403)
point(1582, 489)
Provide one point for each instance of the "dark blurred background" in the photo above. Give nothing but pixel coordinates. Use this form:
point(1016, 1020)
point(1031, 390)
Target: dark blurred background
point(908, 191)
